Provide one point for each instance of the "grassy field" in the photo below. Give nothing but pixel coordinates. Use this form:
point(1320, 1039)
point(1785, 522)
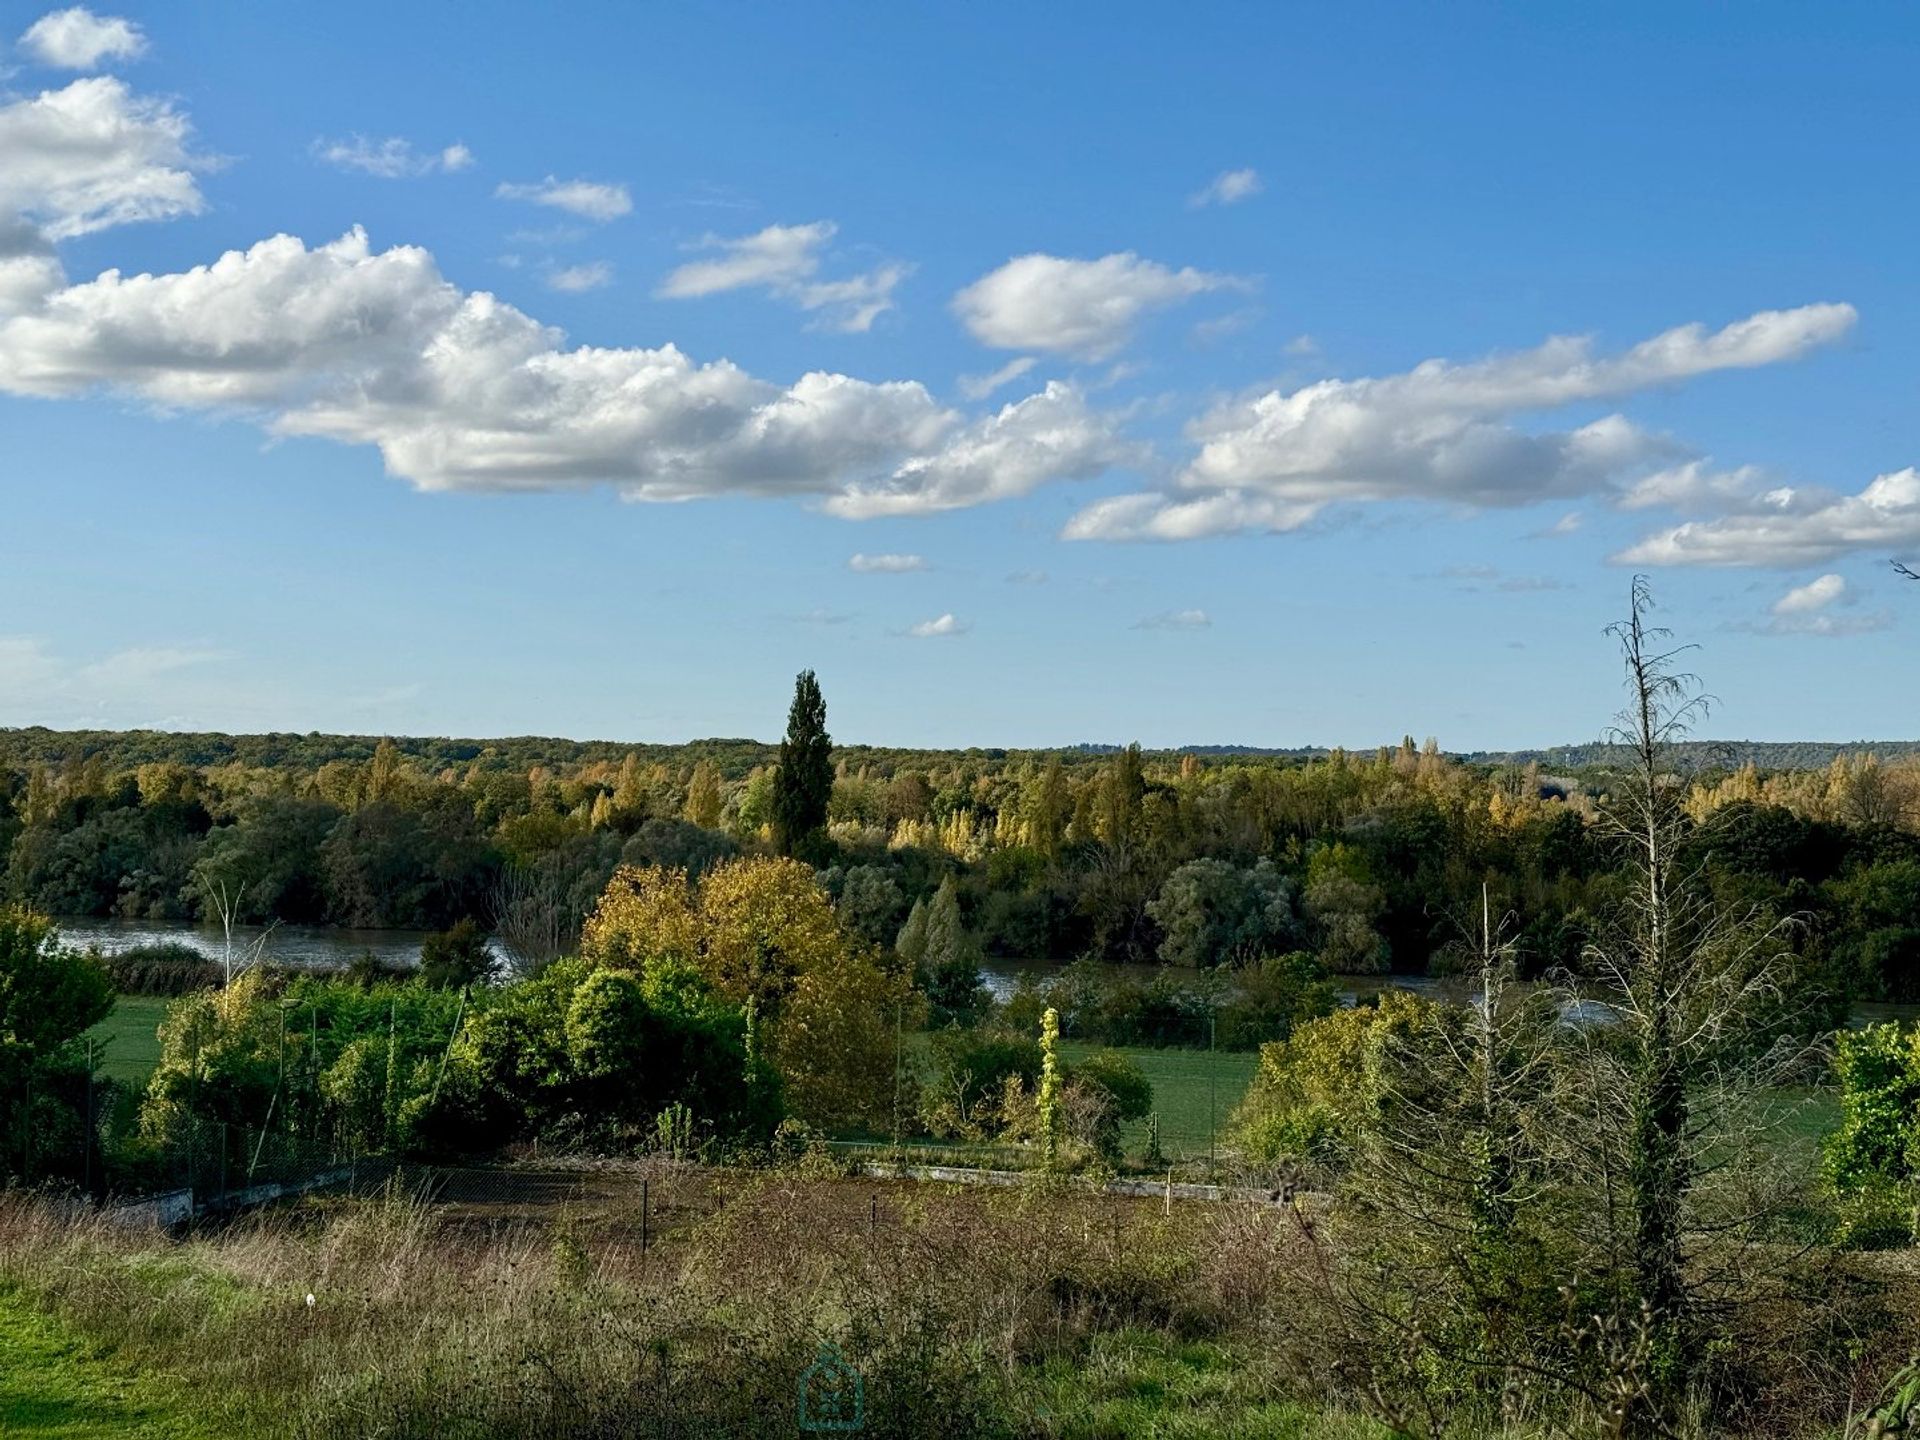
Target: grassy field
point(1195, 1092)
point(53, 1384)
point(130, 1047)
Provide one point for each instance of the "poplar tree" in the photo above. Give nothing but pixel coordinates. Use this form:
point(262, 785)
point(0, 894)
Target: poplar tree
point(804, 781)
point(704, 798)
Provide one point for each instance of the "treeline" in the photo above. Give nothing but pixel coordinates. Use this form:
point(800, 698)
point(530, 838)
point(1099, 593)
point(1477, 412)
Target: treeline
point(1371, 862)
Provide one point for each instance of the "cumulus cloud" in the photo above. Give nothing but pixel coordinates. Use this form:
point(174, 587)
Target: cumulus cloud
point(393, 158)
point(462, 391)
point(1229, 187)
point(1567, 524)
point(589, 199)
point(78, 39)
point(574, 279)
point(1797, 528)
point(885, 564)
point(1816, 608)
point(1085, 308)
point(1814, 595)
point(1444, 432)
point(94, 155)
point(1175, 620)
point(784, 260)
point(1151, 516)
point(978, 387)
point(944, 625)
point(1051, 435)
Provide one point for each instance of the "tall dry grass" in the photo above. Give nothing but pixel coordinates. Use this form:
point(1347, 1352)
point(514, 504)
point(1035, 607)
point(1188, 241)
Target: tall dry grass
point(967, 1312)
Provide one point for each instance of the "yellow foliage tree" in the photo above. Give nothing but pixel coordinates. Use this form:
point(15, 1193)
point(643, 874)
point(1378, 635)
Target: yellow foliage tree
point(765, 922)
point(762, 929)
point(704, 798)
point(644, 913)
point(837, 1040)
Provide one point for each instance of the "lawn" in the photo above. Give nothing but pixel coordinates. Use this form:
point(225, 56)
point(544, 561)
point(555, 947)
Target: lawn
point(53, 1384)
point(1195, 1092)
point(126, 1047)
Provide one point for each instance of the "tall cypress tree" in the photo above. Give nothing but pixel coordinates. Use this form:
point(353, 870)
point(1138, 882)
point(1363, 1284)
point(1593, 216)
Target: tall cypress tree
point(804, 781)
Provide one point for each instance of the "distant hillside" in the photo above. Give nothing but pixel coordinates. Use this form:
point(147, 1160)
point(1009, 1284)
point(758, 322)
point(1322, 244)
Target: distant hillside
point(24, 747)
point(1706, 754)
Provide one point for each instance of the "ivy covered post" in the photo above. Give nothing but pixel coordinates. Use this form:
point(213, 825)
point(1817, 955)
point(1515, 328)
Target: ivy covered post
point(1049, 1101)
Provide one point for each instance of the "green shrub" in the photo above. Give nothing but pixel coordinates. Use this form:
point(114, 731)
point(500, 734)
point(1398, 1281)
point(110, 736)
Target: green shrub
point(1315, 1089)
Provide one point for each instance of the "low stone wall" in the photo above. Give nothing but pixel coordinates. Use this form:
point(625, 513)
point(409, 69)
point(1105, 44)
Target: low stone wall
point(1145, 1189)
point(152, 1212)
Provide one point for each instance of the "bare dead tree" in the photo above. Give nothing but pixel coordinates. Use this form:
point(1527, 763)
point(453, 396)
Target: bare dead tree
point(228, 899)
point(530, 914)
point(1668, 1101)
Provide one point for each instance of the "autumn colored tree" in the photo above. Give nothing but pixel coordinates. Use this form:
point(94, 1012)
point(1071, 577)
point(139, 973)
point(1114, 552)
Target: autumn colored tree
point(704, 799)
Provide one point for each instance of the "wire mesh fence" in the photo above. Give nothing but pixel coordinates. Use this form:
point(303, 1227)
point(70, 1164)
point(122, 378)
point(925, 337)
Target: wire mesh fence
point(231, 1141)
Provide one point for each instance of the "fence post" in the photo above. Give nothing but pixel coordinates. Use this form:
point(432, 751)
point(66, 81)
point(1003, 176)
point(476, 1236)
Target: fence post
point(1213, 1084)
point(86, 1135)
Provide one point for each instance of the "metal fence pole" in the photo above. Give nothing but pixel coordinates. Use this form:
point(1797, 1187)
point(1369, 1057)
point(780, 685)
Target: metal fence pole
point(86, 1134)
point(1213, 1085)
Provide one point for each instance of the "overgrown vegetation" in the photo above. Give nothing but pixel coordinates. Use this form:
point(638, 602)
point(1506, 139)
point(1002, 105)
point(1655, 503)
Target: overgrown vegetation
point(1573, 1204)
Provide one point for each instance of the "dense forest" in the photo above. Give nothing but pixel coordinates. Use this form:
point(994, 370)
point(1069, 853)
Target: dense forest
point(1373, 862)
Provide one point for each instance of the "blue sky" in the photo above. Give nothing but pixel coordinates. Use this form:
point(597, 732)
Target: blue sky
point(1275, 375)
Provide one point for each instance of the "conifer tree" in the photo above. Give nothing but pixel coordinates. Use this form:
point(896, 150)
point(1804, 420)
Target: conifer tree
point(804, 782)
point(945, 957)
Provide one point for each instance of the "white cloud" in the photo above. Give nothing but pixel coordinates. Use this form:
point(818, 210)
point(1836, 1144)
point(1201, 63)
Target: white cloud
point(1160, 517)
point(1814, 595)
point(29, 270)
point(1048, 436)
point(94, 155)
point(1229, 187)
point(391, 159)
point(978, 387)
point(1027, 577)
point(1086, 308)
point(944, 625)
point(776, 256)
point(1443, 432)
point(1697, 484)
point(885, 564)
point(1811, 609)
point(785, 260)
point(1798, 528)
point(78, 39)
point(1175, 620)
point(460, 391)
point(574, 279)
point(589, 199)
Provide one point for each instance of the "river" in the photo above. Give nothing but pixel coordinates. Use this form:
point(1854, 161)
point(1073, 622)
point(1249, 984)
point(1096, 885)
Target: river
point(313, 947)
